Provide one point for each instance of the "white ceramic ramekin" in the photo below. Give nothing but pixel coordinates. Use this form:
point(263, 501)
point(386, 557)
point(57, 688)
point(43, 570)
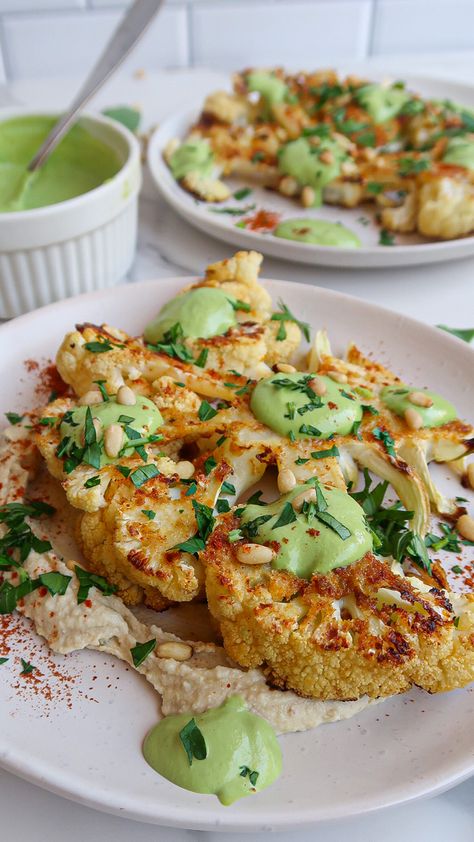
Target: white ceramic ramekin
point(75, 246)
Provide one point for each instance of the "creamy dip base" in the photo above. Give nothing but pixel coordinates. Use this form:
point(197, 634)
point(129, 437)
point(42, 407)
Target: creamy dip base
point(107, 625)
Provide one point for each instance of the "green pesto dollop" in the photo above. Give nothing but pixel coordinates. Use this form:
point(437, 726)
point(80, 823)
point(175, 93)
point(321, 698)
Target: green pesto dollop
point(460, 152)
point(238, 743)
point(193, 156)
point(301, 159)
point(396, 399)
point(276, 400)
point(382, 103)
point(307, 545)
point(143, 418)
point(272, 89)
point(79, 163)
point(202, 312)
point(318, 232)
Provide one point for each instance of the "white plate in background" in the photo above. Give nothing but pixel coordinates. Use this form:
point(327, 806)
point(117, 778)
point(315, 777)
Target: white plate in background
point(411, 250)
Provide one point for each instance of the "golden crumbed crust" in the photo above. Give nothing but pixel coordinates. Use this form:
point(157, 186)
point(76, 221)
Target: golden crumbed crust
point(360, 629)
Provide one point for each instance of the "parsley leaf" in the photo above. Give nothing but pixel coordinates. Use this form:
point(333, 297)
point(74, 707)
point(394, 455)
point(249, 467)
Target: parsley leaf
point(466, 334)
point(91, 580)
point(13, 417)
point(287, 316)
point(92, 482)
point(27, 668)
point(149, 514)
point(141, 475)
point(55, 582)
point(141, 651)
point(386, 238)
point(206, 411)
point(287, 515)
point(388, 442)
point(193, 742)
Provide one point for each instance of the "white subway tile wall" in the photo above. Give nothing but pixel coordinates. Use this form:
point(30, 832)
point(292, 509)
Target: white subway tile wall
point(40, 38)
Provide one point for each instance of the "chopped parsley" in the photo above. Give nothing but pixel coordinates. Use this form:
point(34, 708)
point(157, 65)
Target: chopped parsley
point(388, 442)
point(310, 430)
point(456, 569)
point(102, 389)
point(206, 411)
point(13, 417)
point(242, 193)
point(141, 475)
point(234, 535)
point(91, 580)
point(205, 521)
point(26, 667)
point(222, 506)
point(228, 488)
point(374, 187)
point(201, 360)
point(287, 316)
point(287, 515)
point(209, 465)
point(466, 334)
point(3, 661)
point(193, 742)
point(325, 454)
point(386, 238)
point(255, 499)
point(151, 515)
point(250, 529)
point(101, 346)
point(56, 583)
point(245, 772)
point(141, 651)
point(92, 482)
point(172, 345)
point(412, 166)
point(48, 421)
point(234, 211)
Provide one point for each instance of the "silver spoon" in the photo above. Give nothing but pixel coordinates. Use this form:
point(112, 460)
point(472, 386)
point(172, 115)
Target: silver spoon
point(128, 32)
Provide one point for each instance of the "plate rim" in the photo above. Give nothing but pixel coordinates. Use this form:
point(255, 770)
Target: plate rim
point(376, 256)
point(52, 779)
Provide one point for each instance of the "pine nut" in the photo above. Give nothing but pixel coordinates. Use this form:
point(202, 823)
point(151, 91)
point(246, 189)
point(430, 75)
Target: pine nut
point(184, 469)
point(288, 186)
point(308, 496)
point(307, 197)
point(113, 440)
point(465, 527)
point(326, 156)
point(176, 651)
point(126, 396)
point(90, 398)
point(420, 399)
point(413, 419)
point(254, 554)
point(286, 368)
point(470, 474)
point(337, 376)
point(286, 481)
point(318, 386)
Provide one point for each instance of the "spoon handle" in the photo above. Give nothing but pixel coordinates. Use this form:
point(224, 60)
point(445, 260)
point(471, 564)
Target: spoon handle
point(130, 29)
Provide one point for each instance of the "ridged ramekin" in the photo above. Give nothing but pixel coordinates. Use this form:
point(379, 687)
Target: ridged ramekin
point(75, 246)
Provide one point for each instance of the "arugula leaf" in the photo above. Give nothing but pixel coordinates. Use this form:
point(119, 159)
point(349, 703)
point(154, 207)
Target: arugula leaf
point(141, 651)
point(193, 742)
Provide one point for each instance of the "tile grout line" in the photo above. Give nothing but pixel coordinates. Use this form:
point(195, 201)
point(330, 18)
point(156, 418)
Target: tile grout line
point(372, 25)
point(4, 53)
point(189, 33)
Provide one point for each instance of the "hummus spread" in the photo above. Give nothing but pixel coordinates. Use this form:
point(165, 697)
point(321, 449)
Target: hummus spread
point(105, 624)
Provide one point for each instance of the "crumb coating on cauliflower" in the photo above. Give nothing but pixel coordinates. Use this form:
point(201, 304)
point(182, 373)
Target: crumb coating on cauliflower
point(357, 630)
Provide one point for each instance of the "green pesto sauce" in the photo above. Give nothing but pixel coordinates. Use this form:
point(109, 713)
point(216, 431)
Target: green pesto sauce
point(300, 159)
point(194, 156)
point(336, 414)
point(307, 546)
point(382, 103)
point(395, 398)
point(272, 89)
point(318, 232)
point(80, 163)
point(146, 420)
point(460, 152)
point(235, 738)
point(202, 312)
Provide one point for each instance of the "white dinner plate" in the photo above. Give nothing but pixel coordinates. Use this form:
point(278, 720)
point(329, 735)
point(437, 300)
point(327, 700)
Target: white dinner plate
point(411, 250)
point(77, 728)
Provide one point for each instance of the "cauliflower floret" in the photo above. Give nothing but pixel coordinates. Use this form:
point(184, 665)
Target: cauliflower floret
point(402, 218)
point(225, 107)
point(238, 275)
point(357, 630)
point(176, 399)
point(348, 194)
point(446, 208)
point(136, 534)
point(205, 187)
point(281, 350)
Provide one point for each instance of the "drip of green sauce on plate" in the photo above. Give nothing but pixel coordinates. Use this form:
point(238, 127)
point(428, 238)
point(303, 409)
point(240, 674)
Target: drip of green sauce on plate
point(226, 751)
point(318, 232)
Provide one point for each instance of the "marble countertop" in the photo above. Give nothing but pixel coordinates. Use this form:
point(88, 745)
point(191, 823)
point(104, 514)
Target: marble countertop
point(168, 246)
